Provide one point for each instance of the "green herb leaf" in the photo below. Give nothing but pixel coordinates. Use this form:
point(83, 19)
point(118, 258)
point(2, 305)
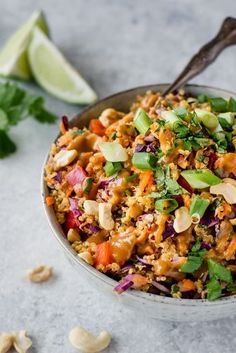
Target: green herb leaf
point(202, 98)
point(193, 263)
point(88, 185)
point(7, 146)
point(180, 129)
point(213, 289)
point(231, 287)
point(218, 271)
point(232, 105)
point(225, 125)
point(218, 104)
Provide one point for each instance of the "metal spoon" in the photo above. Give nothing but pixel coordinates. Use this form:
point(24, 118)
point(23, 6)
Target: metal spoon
point(207, 54)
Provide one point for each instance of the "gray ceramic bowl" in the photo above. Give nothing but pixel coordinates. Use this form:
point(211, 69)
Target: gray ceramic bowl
point(154, 306)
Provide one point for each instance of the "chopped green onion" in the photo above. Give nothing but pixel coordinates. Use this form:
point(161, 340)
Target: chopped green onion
point(213, 289)
point(131, 177)
point(200, 178)
point(88, 185)
point(208, 119)
point(144, 160)
point(112, 168)
point(232, 105)
point(166, 205)
point(142, 121)
point(226, 120)
point(218, 271)
point(181, 112)
point(198, 206)
point(169, 116)
point(113, 151)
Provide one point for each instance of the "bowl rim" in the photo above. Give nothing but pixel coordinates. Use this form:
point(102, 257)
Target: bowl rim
point(59, 235)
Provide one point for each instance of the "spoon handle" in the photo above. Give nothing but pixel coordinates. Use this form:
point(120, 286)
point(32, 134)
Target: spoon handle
point(207, 54)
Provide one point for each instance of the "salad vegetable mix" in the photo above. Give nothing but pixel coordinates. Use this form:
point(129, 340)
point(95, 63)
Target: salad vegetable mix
point(148, 197)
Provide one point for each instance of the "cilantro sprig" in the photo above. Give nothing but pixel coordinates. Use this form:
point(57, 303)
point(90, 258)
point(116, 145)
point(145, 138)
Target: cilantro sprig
point(195, 258)
point(16, 104)
point(217, 273)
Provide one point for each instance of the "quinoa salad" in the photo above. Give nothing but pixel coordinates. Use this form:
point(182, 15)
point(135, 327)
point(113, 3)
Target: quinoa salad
point(148, 197)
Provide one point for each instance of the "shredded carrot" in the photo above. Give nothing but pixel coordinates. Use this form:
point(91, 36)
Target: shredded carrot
point(96, 127)
point(161, 227)
point(146, 179)
point(50, 200)
point(103, 255)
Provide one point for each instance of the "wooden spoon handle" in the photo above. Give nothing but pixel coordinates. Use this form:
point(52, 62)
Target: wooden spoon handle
point(207, 54)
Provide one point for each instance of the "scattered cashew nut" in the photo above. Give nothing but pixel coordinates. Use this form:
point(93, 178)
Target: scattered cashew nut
point(182, 220)
point(227, 189)
point(105, 216)
point(84, 341)
point(6, 342)
point(63, 158)
point(87, 257)
point(39, 274)
point(18, 339)
point(91, 207)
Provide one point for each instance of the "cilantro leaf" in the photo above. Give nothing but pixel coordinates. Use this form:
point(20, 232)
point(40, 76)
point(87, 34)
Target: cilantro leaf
point(193, 263)
point(7, 146)
point(213, 289)
point(218, 271)
point(232, 105)
point(218, 104)
point(16, 104)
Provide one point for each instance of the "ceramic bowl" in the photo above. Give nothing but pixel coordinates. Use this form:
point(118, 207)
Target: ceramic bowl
point(154, 306)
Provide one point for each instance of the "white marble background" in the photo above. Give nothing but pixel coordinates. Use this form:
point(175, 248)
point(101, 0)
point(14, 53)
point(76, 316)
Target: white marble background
point(116, 45)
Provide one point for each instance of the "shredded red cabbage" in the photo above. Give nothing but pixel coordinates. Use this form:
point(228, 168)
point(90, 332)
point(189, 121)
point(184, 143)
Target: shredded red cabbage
point(74, 207)
point(169, 231)
point(149, 138)
point(104, 183)
point(58, 177)
point(93, 229)
point(125, 284)
point(209, 219)
point(140, 148)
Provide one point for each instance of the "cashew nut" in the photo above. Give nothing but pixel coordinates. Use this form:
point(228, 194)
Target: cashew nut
point(182, 220)
point(109, 116)
point(86, 342)
point(91, 207)
point(73, 235)
point(227, 189)
point(6, 341)
point(105, 216)
point(18, 339)
point(63, 158)
point(39, 274)
point(87, 257)
point(21, 342)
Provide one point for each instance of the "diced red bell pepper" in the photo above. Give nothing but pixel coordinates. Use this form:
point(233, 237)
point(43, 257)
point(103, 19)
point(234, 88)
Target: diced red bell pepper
point(76, 176)
point(71, 221)
point(103, 254)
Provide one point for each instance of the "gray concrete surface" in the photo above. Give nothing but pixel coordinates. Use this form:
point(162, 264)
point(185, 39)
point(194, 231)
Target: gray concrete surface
point(116, 45)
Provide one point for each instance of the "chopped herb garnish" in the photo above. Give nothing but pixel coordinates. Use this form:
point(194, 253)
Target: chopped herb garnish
point(198, 206)
point(180, 129)
point(218, 271)
point(218, 104)
point(202, 98)
point(88, 185)
point(114, 136)
point(213, 289)
point(232, 105)
point(195, 259)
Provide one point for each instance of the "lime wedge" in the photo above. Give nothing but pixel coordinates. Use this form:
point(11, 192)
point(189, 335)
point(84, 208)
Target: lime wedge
point(53, 72)
point(13, 56)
